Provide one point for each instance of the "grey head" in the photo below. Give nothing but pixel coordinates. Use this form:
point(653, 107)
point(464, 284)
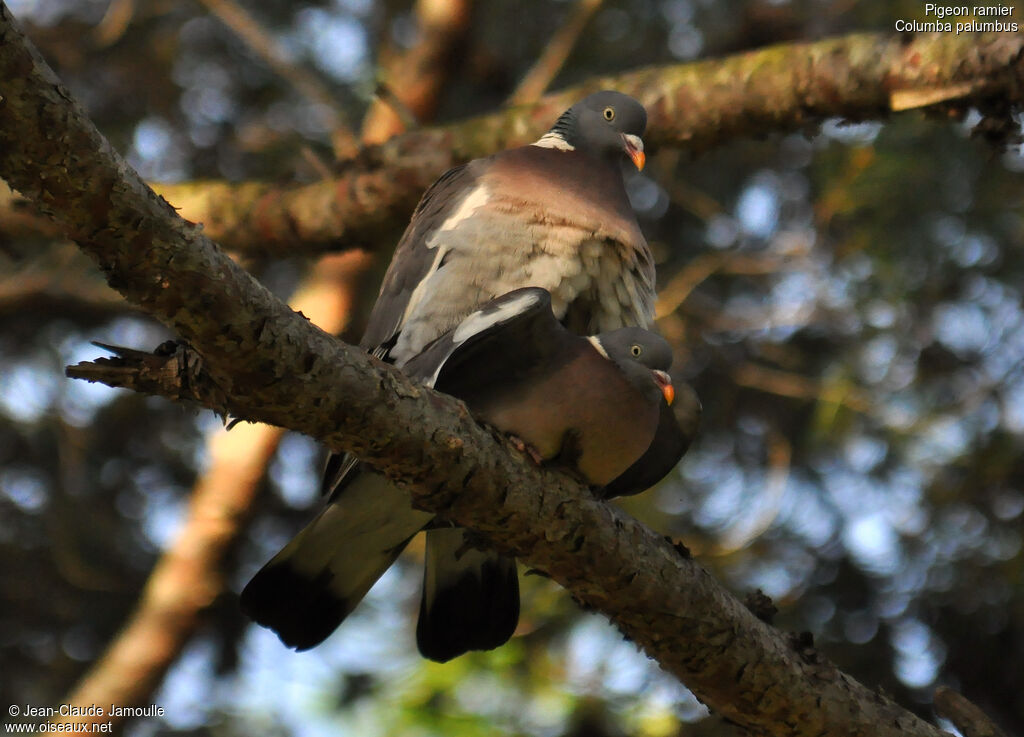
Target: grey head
point(607, 124)
point(643, 357)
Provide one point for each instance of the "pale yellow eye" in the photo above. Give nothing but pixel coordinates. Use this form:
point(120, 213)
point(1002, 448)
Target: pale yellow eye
point(637, 350)
point(609, 113)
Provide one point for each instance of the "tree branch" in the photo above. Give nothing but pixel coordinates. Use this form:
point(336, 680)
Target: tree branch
point(967, 717)
point(53, 283)
point(697, 105)
point(273, 365)
point(551, 61)
point(416, 77)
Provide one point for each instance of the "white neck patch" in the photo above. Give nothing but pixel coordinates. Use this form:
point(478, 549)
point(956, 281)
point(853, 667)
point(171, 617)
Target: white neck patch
point(597, 346)
point(553, 140)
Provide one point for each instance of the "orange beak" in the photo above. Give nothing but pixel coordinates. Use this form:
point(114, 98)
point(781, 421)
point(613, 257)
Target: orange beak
point(634, 148)
point(664, 382)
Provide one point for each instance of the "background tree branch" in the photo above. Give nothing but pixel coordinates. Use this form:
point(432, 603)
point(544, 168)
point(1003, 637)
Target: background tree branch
point(698, 105)
point(967, 717)
point(558, 48)
point(274, 366)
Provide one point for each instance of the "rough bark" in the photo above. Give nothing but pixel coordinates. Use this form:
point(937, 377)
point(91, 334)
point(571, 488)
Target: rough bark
point(273, 365)
point(697, 105)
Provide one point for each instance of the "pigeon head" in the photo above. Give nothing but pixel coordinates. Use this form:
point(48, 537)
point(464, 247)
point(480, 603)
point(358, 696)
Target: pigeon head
point(605, 124)
point(642, 356)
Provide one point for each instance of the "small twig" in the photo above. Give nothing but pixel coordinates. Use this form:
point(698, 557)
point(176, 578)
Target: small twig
point(28, 291)
point(174, 370)
point(263, 45)
point(387, 97)
point(786, 384)
point(695, 201)
point(908, 99)
point(114, 22)
point(967, 717)
point(546, 68)
point(411, 81)
point(747, 529)
point(321, 167)
point(701, 268)
point(682, 284)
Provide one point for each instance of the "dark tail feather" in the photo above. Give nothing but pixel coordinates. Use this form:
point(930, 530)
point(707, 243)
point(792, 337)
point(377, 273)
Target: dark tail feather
point(470, 598)
point(308, 589)
point(302, 611)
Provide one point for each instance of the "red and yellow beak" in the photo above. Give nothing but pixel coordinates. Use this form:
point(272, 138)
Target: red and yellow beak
point(664, 382)
point(634, 148)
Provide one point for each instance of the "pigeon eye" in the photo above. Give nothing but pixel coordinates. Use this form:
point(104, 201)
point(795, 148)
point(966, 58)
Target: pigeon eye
point(636, 350)
point(609, 113)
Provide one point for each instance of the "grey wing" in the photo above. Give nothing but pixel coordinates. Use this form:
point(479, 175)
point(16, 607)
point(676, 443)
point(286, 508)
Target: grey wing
point(516, 330)
point(410, 267)
point(415, 259)
point(506, 332)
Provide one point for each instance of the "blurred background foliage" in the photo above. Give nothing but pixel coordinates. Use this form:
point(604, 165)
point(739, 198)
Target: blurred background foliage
point(846, 301)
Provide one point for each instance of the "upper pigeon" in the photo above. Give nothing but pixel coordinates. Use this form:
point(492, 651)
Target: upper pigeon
point(552, 214)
